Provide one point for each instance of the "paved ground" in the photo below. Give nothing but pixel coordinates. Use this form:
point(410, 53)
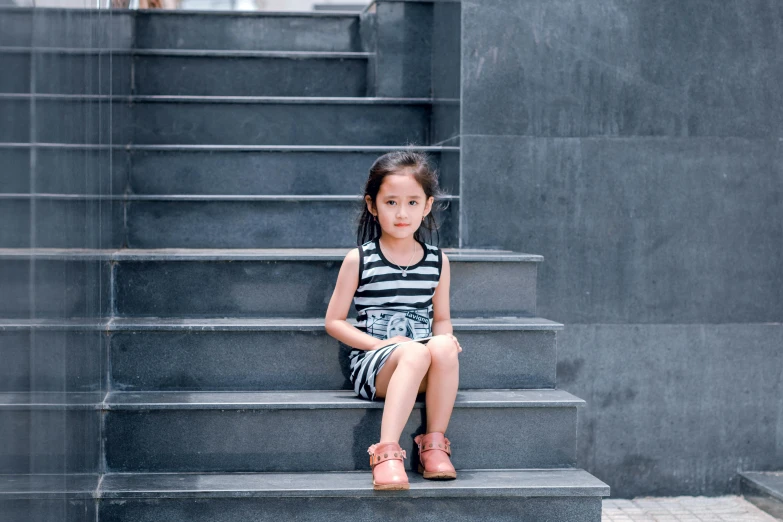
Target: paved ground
point(683, 509)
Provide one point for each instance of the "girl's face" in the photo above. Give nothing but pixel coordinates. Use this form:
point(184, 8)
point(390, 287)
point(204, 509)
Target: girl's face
point(401, 205)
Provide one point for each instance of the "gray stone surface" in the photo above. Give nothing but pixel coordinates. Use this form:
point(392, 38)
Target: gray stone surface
point(446, 67)
point(254, 224)
point(248, 31)
point(65, 119)
point(278, 287)
point(469, 483)
point(65, 27)
point(60, 222)
point(675, 409)
point(635, 230)
point(178, 431)
point(51, 359)
point(24, 510)
point(770, 481)
point(245, 355)
point(52, 486)
point(294, 74)
point(63, 169)
point(622, 68)
point(379, 509)
point(16, 27)
point(764, 490)
point(49, 439)
point(53, 288)
point(81, 66)
point(14, 119)
point(282, 172)
point(403, 49)
point(304, 121)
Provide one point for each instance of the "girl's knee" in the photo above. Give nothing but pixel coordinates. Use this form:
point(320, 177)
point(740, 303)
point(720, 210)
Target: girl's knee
point(415, 354)
point(442, 348)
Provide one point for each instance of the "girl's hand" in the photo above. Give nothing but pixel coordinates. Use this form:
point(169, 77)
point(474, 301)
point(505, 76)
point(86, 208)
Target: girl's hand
point(459, 348)
point(391, 340)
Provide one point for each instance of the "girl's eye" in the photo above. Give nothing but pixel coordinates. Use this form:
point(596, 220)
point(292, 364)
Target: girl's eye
point(414, 202)
point(391, 202)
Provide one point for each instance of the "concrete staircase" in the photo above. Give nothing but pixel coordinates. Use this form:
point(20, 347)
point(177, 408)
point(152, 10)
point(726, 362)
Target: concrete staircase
point(227, 400)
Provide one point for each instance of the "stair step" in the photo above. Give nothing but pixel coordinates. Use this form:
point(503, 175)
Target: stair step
point(61, 221)
point(254, 431)
point(49, 433)
point(89, 71)
point(243, 354)
point(267, 222)
point(185, 72)
point(68, 282)
point(241, 283)
point(65, 118)
point(248, 31)
point(237, 282)
point(513, 494)
point(239, 354)
point(250, 74)
point(218, 120)
point(66, 27)
point(193, 221)
point(764, 489)
point(329, 170)
point(280, 120)
point(195, 169)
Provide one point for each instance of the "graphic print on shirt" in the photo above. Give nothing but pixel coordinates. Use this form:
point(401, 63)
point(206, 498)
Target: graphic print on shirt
point(385, 323)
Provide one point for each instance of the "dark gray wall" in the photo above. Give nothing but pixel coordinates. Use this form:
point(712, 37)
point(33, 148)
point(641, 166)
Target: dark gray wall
point(51, 340)
point(636, 145)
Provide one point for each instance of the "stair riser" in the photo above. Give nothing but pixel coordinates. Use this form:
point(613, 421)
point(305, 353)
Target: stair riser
point(24, 510)
point(272, 173)
point(66, 73)
point(233, 76)
point(49, 441)
point(202, 361)
point(74, 28)
point(65, 121)
point(298, 288)
point(51, 360)
point(265, 224)
point(172, 123)
point(296, 440)
point(761, 499)
point(242, 32)
point(60, 223)
point(337, 509)
point(59, 288)
point(63, 171)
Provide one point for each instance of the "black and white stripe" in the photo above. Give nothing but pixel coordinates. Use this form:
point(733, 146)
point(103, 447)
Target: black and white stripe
point(384, 292)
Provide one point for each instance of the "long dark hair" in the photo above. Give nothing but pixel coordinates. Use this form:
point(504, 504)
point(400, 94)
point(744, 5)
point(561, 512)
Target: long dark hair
point(419, 165)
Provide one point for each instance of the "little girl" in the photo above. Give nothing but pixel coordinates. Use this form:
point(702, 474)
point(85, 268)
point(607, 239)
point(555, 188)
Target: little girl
point(399, 283)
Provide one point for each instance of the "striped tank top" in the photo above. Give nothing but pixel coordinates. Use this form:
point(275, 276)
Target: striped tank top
point(388, 304)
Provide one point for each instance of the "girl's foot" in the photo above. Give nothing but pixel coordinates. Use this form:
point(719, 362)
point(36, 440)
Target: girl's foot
point(434, 461)
point(388, 469)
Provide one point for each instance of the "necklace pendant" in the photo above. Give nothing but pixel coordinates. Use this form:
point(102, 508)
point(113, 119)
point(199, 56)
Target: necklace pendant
point(404, 274)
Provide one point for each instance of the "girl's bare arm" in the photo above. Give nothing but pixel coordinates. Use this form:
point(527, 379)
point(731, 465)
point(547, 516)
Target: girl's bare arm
point(441, 312)
point(441, 322)
point(340, 304)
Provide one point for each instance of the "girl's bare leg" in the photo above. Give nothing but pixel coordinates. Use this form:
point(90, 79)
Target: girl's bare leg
point(441, 382)
point(399, 381)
